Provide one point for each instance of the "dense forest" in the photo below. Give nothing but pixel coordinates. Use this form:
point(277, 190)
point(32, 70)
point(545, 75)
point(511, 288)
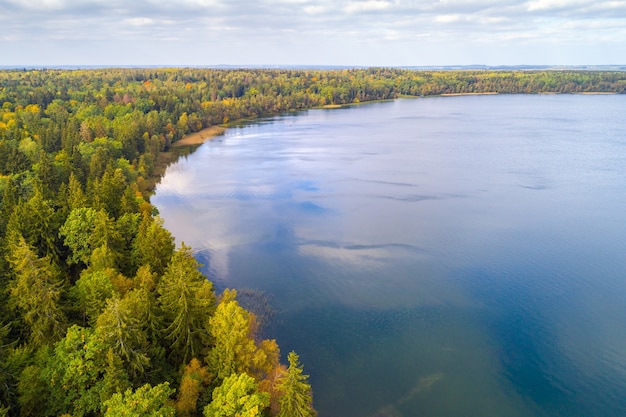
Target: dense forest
point(100, 312)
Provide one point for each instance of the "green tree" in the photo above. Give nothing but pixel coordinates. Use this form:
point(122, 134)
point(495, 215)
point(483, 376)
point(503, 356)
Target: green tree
point(108, 192)
point(154, 245)
point(106, 238)
point(121, 327)
point(36, 291)
point(146, 401)
point(5, 373)
point(297, 398)
point(98, 162)
point(78, 234)
point(145, 287)
point(76, 196)
point(115, 379)
point(235, 349)
point(127, 227)
point(36, 221)
point(86, 230)
point(131, 200)
point(92, 290)
point(33, 391)
point(238, 396)
point(186, 300)
point(230, 328)
point(73, 378)
point(46, 173)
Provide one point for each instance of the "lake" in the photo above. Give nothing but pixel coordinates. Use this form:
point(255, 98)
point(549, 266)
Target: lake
point(448, 256)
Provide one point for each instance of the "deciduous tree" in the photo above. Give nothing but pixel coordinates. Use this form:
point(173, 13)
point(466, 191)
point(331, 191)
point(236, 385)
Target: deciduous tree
point(195, 378)
point(146, 401)
point(235, 349)
point(238, 396)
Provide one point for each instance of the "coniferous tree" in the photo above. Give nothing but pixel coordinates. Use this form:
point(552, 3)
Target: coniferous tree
point(297, 398)
point(154, 245)
point(36, 291)
point(121, 328)
point(76, 197)
point(186, 301)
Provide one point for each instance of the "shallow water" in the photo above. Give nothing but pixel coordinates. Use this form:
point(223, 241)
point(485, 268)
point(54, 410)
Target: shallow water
point(458, 256)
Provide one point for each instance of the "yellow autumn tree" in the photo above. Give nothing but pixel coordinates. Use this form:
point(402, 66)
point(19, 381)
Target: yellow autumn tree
point(195, 378)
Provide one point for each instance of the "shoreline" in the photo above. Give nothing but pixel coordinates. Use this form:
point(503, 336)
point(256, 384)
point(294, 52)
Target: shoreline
point(487, 93)
point(199, 137)
point(187, 144)
point(179, 148)
point(593, 93)
point(491, 93)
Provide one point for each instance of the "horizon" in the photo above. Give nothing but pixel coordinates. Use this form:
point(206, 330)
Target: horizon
point(328, 33)
point(477, 67)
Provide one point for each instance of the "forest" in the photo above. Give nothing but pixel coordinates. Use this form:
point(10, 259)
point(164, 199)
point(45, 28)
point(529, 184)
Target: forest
point(101, 312)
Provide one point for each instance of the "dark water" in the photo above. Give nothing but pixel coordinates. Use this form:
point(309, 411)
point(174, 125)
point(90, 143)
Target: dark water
point(461, 256)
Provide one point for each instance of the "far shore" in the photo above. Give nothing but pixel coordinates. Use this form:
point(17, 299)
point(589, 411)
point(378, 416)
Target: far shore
point(597, 92)
point(487, 93)
point(198, 138)
point(546, 92)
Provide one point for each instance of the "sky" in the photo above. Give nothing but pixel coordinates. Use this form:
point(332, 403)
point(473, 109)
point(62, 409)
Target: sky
point(312, 32)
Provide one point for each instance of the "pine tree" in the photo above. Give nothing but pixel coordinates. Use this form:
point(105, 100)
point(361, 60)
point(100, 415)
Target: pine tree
point(186, 300)
point(120, 327)
point(76, 196)
point(297, 399)
point(36, 291)
point(154, 245)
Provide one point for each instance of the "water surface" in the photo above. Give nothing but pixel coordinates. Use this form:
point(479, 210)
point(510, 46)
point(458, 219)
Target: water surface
point(458, 256)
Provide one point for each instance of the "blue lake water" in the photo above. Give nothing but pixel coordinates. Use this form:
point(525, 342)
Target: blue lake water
point(453, 256)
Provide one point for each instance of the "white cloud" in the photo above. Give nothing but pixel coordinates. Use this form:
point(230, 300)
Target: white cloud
point(317, 9)
point(366, 6)
point(553, 4)
point(40, 4)
point(353, 32)
point(140, 21)
point(448, 18)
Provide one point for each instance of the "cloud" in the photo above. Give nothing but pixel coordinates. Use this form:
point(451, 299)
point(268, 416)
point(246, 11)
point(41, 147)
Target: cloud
point(366, 6)
point(315, 9)
point(448, 18)
point(285, 30)
point(140, 21)
point(554, 4)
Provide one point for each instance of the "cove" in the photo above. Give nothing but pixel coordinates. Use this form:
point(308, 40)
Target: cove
point(452, 256)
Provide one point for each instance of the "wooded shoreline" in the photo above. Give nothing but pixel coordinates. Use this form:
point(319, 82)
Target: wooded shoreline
point(100, 311)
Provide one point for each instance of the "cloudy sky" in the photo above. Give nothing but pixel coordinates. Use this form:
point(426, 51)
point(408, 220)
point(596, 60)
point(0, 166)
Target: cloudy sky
point(312, 32)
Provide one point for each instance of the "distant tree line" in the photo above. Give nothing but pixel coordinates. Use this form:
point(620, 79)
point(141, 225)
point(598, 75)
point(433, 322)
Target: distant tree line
point(100, 313)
